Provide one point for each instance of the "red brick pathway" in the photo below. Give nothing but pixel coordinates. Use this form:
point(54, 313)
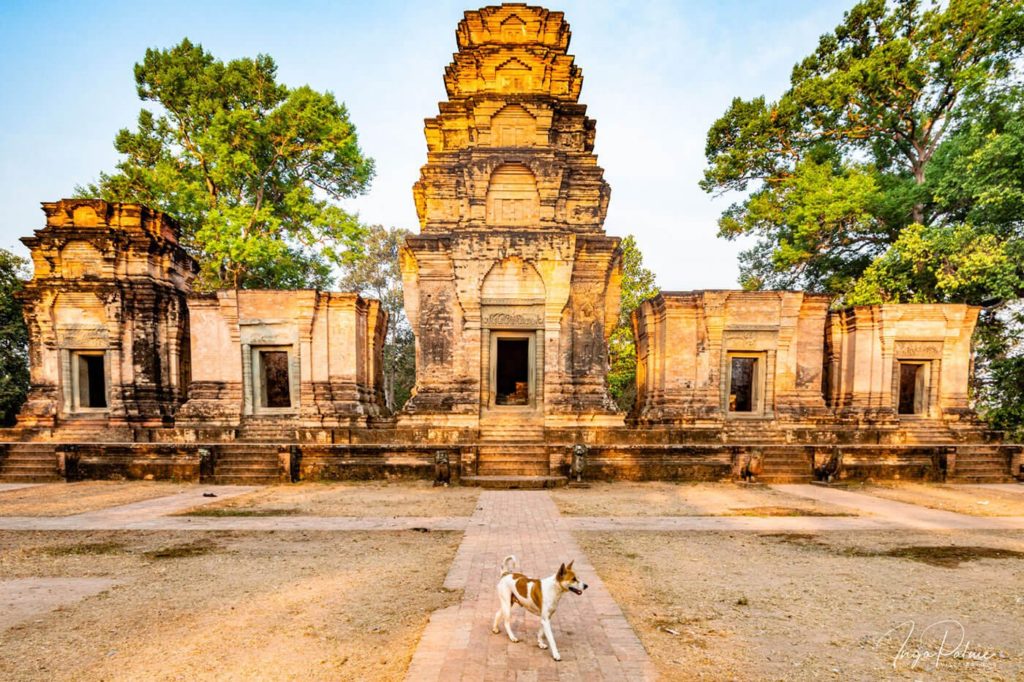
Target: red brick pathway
point(594, 638)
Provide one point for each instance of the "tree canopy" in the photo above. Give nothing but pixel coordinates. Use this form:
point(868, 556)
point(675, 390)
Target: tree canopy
point(637, 286)
point(13, 338)
point(252, 169)
point(905, 115)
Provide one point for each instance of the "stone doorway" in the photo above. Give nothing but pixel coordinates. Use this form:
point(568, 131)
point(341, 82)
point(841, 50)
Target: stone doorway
point(913, 388)
point(89, 380)
point(512, 367)
point(513, 370)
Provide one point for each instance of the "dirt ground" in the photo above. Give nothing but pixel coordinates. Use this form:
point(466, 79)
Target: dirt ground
point(65, 499)
point(228, 606)
point(963, 499)
point(686, 499)
point(722, 606)
point(405, 498)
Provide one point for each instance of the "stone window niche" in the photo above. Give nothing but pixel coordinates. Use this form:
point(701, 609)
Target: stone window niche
point(272, 380)
point(745, 374)
point(913, 384)
point(512, 197)
point(513, 126)
point(89, 381)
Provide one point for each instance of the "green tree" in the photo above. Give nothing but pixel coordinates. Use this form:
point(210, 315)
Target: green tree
point(251, 168)
point(376, 274)
point(637, 286)
point(999, 378)
point(853, 152)
point(14, 375)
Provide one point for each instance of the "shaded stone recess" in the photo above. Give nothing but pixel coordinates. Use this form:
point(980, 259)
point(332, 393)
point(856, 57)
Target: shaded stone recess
point(512, 288)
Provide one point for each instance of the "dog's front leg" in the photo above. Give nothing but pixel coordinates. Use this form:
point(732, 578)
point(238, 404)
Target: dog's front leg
point(540, 638)
point(546, 626)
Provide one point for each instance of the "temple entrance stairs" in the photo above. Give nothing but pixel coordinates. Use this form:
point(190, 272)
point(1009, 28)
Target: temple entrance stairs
point(29, 463)
point(981, 464)
point(785, 465)
point(247, 464)
point(256, 430)
point(512, 454)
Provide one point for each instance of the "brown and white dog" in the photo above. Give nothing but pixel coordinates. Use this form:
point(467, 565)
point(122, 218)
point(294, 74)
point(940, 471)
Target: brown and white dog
point(539, 597)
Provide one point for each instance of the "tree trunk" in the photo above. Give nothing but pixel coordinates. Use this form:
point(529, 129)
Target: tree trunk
point(918, 210)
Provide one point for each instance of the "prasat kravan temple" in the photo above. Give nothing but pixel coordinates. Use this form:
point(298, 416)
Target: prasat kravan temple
point(512, 289)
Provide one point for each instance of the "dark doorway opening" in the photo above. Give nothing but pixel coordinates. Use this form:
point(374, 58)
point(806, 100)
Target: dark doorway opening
point(276, 389)
point(741, 386)
point(92, 381)
point(513, 372)
point(911, 388)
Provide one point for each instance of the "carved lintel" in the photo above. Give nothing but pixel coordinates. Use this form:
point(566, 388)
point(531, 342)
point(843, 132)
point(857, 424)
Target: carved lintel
point(918, 349)
point(513, 317)
point(82, 337)
point(516, 320)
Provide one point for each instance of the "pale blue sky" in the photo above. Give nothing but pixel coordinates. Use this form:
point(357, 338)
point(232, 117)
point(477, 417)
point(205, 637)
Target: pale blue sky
point(657, 74)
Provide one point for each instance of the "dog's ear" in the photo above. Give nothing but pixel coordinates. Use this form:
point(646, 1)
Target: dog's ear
point(571, 563)
point(561, 571)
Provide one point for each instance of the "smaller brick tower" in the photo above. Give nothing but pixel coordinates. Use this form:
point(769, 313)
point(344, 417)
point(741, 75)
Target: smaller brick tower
point(107, 319)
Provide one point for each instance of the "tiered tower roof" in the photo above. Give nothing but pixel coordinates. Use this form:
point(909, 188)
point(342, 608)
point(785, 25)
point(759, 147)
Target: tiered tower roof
point(512, 147)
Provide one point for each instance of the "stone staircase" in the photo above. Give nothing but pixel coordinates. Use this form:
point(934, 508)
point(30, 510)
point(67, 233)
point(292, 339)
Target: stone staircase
point(739, 431)
point(512, 454)
point(256, 430)
point(506, 460)
point(981, 464)
point(29, 463)
point(785, 466)
point(247, 464)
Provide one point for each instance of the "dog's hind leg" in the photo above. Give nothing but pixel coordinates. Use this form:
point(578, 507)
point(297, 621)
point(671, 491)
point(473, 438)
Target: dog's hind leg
point(506, 611)
point(497, 619)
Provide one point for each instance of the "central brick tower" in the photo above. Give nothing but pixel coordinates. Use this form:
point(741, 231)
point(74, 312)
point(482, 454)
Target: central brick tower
point(512, 287)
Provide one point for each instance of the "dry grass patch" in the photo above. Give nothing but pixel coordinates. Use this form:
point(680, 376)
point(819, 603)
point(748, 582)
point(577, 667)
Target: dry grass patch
point(686, 499)
point(782, 511)
point(231, 605)
point(83, 548)
point(801, 606)
point(65, 499)
point(183, 550)
point(945, 556)
point(404, 498)
point(962, 499)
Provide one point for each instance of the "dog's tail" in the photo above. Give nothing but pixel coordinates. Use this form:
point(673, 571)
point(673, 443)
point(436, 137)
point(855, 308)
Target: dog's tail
point(509, 564)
